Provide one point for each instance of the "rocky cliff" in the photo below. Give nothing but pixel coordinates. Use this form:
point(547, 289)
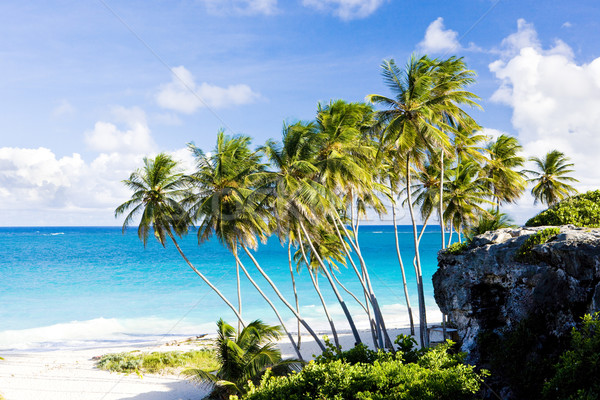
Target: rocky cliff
point(484, 290)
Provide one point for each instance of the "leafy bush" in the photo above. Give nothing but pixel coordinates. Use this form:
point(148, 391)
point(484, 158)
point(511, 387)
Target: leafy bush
point(489, 220)
point(524, 252)
point(578, 370)
point(456, 248)
point(158, 361)
point(358, 354)
point(436, 375)
point(581, 210)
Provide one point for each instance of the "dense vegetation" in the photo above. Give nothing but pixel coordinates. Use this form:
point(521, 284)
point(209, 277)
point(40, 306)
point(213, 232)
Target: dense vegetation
point(523, 253)
point(434, 374)
point(580, 210)
point(156, 362)
point(576, 374)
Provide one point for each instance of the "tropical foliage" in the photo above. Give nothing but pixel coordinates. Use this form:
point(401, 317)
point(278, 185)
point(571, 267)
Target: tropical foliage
point(551, 178)
point(156, 362)
point(243, 356)
point(579, 366)
point(312, 188)
point(436, 374)
point(580, 210)
point(545, 235)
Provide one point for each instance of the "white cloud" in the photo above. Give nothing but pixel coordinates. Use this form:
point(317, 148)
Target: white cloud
point(567, 24)
point(183, 95)
point(241, 7)
point(136, 138)
point(346, 9)
point(555, 100)
point(439, 40)
point(39, 188)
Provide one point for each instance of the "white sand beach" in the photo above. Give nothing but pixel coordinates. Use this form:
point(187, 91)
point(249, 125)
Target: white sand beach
point(72, 375)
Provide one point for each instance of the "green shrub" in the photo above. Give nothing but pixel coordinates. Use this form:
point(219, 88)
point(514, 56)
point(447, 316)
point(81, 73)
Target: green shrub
point(524, 252)
point(358, 354)
point(456, 248)
point(578, 370)
point(436, 375)
point(581, 210)
point(158, 361)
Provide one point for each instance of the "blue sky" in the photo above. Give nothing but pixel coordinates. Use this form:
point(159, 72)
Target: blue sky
point(88, 88)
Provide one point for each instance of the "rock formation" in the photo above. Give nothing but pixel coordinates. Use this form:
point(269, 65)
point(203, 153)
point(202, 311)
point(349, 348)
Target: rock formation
point(485, 290)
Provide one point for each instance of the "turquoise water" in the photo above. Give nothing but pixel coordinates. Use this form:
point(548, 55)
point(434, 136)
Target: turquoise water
point(68, 286)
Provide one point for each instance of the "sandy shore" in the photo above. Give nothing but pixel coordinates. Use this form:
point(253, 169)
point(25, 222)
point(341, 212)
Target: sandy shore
point(72, 375)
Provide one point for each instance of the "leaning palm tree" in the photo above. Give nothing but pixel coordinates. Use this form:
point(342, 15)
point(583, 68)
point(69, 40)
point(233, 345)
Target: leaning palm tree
point(413, 118)
point(224, 203)
point(157, 190)
point(504, 182)
point(244, 356)
point(551, 178)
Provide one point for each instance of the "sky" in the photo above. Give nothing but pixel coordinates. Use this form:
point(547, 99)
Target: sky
point(88, 88)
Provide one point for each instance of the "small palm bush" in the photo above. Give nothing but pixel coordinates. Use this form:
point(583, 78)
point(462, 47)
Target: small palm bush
point(244, 356)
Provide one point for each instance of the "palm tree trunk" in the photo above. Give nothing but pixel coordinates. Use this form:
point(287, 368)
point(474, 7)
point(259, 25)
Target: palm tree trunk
point(296, 349)
point(294, 287)
point(335, 290)
point(213, 287)
point(288, 305)
point(347, 291)
point(450, 232)
point(422, 311)
point(441, 206)
point(239, 292)
point(336, 339)
point(408, 306)
point(374, 332)
point(378, 315)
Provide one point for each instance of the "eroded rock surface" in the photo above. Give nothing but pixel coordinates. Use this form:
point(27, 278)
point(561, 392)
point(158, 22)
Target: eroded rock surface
point(485, 290)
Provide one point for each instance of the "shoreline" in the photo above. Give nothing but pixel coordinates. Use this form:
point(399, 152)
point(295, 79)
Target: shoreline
point(72, 375)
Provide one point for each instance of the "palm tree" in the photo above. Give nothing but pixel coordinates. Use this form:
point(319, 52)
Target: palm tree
point(505, 183)
point(244, 356)
point(157, 189)
point(413, 118)
point(226, 205)
point(550, 178)
point(464, 193)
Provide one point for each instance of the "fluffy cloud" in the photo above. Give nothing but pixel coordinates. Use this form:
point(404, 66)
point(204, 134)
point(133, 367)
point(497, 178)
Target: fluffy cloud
point(241, 7)
point(183, 95)
point(39, 188)
point(555, 100)
point(107, 137)
point(346, 9)
point(439, 40)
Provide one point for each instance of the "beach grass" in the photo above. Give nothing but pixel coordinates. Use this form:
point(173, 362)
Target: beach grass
point(158, 362)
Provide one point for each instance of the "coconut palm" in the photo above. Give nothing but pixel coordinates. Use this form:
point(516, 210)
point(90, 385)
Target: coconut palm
point(551, 178)
point(504, 181)
point(465, 191)
point(226, 205)
point(413, 118)
point(244, 356)
point(157, 190)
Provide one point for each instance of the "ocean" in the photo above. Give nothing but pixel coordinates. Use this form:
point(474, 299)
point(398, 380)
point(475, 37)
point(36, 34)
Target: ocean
point(85, 287)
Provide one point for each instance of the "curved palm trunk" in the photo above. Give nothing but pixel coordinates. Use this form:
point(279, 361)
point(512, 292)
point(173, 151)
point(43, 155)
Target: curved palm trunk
point(213, 287)
point(422, 312)
point(336, 339)
point(294, 287)
point(376, 309)
point(239, 292)
point(347, 291)
point(292, 341)
point(451, 232)
point(408, 306)
point(441, 205)
point(375, 333)
point(335, 290)
point(288, 305)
